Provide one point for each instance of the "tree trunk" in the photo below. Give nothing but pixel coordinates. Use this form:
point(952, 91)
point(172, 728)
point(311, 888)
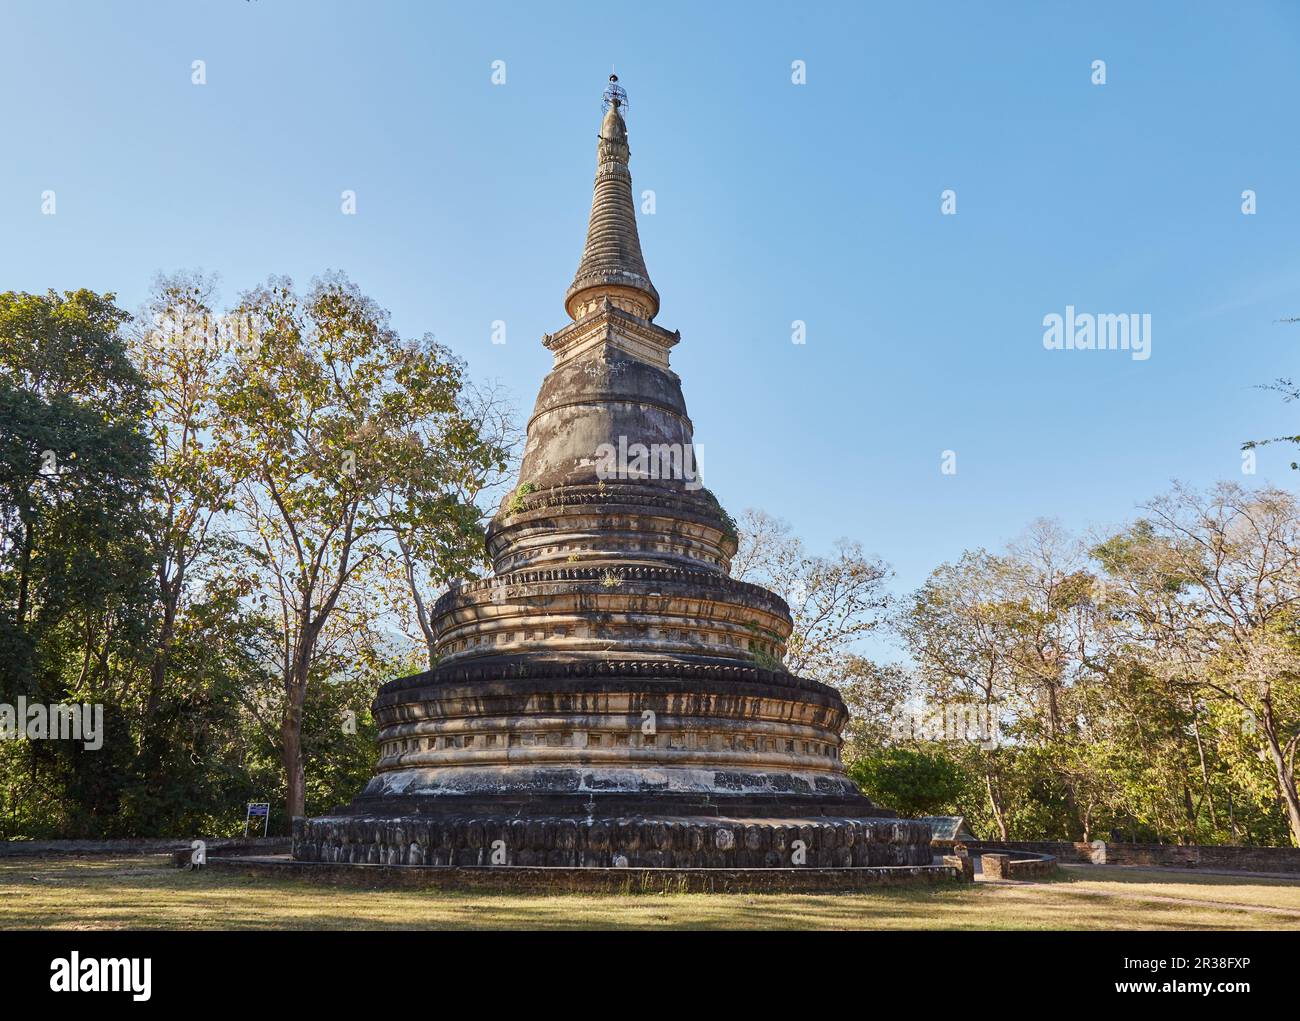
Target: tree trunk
point(1284, 777)
point(24, 570)
point(291, 752)
point(421, 613)
point(162, 651)
point(998, 815)
point(1205, 770)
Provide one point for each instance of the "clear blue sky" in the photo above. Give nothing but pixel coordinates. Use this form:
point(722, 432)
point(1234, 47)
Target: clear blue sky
point(775, 202)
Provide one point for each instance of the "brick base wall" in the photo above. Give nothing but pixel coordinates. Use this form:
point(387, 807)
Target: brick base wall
point(519, 878)
point(226, 845)
point(1247, 859)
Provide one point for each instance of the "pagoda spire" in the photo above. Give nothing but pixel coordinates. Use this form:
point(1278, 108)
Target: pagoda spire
point(612, 265)
point(611, 603)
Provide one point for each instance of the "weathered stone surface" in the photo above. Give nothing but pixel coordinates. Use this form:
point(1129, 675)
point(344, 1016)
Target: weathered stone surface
point(627, 879)
point(612, 263)
point(964, 863)
point(651, 842)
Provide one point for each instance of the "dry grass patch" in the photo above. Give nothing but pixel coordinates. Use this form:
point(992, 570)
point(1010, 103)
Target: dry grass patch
point(147, 892)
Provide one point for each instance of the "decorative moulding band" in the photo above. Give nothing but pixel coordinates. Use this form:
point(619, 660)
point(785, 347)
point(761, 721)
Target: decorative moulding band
point(583, 672)
point(709, 581)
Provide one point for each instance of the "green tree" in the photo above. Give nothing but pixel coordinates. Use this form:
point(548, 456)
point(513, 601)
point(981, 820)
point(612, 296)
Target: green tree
point(1209, 588)
point(74, 563)
point(912, 781)
point(835, 601)
point(340, 436)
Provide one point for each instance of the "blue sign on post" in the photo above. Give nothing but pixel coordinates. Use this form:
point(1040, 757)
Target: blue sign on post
point(258, 809)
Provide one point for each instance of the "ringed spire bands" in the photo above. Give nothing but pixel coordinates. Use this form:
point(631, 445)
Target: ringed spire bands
point(612, 265)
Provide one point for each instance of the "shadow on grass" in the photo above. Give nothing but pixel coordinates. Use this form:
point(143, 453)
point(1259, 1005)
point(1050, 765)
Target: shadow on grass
point(150, 893)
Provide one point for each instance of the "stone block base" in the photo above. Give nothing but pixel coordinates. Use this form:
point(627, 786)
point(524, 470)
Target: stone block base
point(520, 879)
point(996, 866)
point(672, 842)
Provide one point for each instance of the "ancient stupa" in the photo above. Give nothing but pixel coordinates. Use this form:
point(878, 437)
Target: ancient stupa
point(610, 695)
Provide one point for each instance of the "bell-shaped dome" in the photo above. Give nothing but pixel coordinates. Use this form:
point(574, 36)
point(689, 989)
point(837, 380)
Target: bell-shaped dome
point(614, 128)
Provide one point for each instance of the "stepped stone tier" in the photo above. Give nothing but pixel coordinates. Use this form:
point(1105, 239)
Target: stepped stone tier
point(610, 695)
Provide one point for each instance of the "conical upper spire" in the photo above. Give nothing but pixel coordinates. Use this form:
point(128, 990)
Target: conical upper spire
point(612, 265)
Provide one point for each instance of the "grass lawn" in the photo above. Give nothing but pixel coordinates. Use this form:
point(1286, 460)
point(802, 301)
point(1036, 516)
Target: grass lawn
point(147, 892)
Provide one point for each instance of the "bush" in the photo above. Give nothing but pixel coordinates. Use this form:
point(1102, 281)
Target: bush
point(910, 781)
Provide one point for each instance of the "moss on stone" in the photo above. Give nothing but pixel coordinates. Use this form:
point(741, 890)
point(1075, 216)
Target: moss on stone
point(516, 503)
